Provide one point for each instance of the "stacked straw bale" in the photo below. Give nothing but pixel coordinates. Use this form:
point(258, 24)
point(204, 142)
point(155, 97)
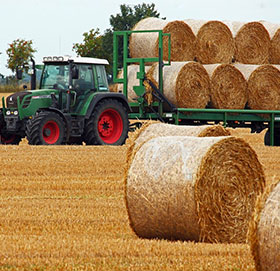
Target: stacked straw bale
point(228, 88)
point(264, 88)
point(146, 44)
point(192, 188)
point(274, 33)
point(152, 130)
point(132, 80)
point(264, 230)
point(214, 41)
point(185, 84)
point(275, 48)
point(252, 42)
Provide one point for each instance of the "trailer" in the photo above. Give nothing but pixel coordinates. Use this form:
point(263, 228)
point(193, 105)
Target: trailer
point(163, 110)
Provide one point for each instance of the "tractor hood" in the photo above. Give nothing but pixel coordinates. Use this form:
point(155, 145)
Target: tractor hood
point(11, 100)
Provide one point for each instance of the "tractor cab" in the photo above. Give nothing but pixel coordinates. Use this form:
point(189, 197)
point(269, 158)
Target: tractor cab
point(87, 75)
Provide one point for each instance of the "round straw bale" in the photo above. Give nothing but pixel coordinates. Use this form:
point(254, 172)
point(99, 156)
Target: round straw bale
point(246, 69)
point(264, 230)
point(275, 48)
point(146, 44)
point(274, 33)
point(131, 81)
point(228, 86)
point(185, 84)
point(163, 129)
point(252, 43)
point(264, 88)
point(214, 42)
point(192, 188)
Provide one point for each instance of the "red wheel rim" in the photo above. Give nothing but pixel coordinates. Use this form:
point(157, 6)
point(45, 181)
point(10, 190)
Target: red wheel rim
point(110, 126)
point(51, 132)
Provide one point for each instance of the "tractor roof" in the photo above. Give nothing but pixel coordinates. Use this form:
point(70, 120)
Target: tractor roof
point(81, 60)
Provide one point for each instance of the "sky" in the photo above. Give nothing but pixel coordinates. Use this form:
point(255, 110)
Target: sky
point(55, 25)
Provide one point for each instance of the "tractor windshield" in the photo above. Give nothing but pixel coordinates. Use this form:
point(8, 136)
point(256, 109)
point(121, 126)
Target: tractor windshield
point(55, 76)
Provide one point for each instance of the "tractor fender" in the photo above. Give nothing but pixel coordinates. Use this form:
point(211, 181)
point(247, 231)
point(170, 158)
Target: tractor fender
point(63, 116)
point(107, 95)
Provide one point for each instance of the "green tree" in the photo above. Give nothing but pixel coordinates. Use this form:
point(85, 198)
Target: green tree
point(128, 17)
point(91, 45)
point(19, 52)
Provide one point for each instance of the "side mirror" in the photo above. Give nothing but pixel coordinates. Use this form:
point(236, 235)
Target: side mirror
point(75, 72)
point(19, 73)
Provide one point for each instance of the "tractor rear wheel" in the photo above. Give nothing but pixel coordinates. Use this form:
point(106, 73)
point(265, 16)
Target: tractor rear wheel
point(46, 128)
point(108, 124)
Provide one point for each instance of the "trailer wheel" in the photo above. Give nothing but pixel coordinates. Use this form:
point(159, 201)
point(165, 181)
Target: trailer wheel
point(107, 125)
point(10, 139)
point(46, 128)
point(276, 137)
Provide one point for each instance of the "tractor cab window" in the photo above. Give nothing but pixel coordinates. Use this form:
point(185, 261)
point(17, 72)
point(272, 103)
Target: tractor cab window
point(85, 82)
point(101, 77)
point(55, 76)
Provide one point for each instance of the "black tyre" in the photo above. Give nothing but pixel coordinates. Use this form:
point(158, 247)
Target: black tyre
point(7, 138)
point(46, 128)
point(10, 139)
point(108, 124)
point(276, 137)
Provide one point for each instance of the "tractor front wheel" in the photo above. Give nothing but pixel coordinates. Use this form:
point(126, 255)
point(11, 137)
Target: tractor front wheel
point(10, 139)
point(108, 124)
point(46, 128)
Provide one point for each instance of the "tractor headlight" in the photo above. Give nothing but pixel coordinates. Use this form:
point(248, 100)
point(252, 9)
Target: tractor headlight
point(8, 112)
point(55, 58)
point(15, 112)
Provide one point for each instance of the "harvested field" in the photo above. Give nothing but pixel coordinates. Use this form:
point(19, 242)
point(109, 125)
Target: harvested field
point(63, 208)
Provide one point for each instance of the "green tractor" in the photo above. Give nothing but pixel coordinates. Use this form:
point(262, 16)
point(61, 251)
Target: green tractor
point(72, 105)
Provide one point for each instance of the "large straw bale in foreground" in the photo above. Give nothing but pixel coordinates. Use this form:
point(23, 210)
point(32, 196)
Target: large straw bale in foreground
point(252, 43)
point(228, 86)
point(264, 88)
point(146, 44)
point(185, 84)
point(131, 81)
point(152, 130)
point(192, 188)
point(264, 230)
point(214, 41)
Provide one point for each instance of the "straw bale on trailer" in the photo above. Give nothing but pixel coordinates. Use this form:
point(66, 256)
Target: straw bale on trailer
point(146, 44)
point(252, 43)
point(192, 188)
point(228, 87)
point(274, 33)
point(214, 41)
point(131, 81)
point(264, 88)
point(264, 230)
point(185, 84)
point(152, 130)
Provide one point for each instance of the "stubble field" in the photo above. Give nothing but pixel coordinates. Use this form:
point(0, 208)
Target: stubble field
point(63, 208)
